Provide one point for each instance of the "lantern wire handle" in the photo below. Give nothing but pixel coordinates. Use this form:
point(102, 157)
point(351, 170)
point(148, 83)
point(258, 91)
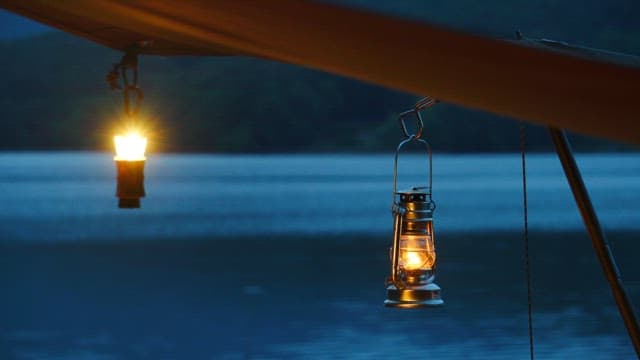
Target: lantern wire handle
point(422, 104)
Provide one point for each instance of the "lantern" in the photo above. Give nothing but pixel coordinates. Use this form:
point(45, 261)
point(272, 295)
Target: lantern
point(413, 253)
point(130, 161)
point(130, 148)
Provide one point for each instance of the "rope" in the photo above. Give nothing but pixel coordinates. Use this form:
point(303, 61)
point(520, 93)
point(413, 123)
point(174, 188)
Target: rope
point(527, 265)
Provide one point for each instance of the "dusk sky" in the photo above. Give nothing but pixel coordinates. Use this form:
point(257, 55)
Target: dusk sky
point(14, 26)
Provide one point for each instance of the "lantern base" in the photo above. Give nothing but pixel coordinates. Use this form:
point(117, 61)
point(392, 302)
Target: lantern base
point(414, 297)
point(130, 183)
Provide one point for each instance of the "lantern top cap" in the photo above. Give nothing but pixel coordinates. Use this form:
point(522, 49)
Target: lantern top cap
point(416, 190)
point(414, 195)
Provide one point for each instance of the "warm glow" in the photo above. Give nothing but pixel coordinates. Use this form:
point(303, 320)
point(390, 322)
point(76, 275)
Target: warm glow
point(417, 252)
point(130, 147)
point(413, 260)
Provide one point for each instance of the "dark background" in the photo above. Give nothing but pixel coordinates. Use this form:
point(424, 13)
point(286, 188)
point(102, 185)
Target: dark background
point(53, 93)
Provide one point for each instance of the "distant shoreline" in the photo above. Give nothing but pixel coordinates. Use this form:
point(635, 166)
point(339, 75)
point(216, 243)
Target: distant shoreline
point(312, 153)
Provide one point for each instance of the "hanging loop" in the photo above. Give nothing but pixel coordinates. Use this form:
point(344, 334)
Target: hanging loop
point(133, 95)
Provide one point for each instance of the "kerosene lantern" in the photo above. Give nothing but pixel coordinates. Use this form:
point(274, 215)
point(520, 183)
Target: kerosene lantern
point(413, 253)
point(130, 147)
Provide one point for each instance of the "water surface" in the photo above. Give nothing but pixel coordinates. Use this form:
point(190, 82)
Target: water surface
point(70, 196)
point(280, 256)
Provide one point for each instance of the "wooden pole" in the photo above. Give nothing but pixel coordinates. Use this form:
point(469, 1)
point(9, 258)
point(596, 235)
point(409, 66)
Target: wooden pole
point(600, 244)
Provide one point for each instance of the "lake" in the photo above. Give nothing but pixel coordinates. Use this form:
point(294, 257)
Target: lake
point(71, 196)
point(284, 257)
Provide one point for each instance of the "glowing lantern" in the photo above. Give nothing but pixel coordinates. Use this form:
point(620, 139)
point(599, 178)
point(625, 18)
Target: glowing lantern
point(413, 253)
point(130, 161)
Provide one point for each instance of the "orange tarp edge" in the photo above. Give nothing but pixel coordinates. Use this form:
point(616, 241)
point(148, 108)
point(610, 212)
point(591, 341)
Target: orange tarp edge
point(542, 87)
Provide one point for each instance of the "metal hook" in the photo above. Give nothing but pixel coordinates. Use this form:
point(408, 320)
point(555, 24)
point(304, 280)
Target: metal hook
point(422, 104)
point(425, 103)
point(419, 124)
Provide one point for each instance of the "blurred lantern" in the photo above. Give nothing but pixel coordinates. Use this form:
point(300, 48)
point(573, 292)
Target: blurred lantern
point(413, 253)
point(130, 161)
point(130, 148)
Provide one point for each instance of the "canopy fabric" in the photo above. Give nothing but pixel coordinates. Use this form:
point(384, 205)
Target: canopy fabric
point(585, 95)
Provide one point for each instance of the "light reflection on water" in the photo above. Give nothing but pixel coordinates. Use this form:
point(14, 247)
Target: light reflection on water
point(307, 282)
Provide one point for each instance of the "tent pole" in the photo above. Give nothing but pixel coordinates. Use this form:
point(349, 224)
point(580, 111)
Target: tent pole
point(600, 244)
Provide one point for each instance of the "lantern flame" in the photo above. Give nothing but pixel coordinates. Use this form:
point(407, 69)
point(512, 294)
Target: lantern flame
point(130, 147)
point(414, 260)
point(417, 252)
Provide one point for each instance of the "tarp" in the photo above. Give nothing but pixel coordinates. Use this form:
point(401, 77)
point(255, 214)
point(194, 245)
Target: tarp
point(581, 94)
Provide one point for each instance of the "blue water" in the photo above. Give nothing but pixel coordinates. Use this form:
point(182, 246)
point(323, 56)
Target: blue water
point(70, 196)
point(284, 256)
